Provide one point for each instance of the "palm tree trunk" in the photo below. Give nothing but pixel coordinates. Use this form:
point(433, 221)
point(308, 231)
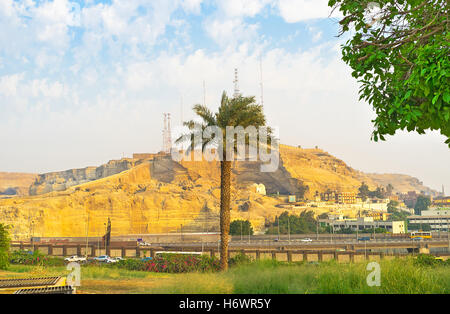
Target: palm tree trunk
point(225, 195)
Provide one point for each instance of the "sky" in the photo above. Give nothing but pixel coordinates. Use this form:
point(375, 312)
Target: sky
point(84, 82)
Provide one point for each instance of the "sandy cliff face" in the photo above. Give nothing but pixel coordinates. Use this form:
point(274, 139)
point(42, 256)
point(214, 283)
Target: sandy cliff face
point(60, 181)
point(158, 195)
point(15, 183)
point(321, 171)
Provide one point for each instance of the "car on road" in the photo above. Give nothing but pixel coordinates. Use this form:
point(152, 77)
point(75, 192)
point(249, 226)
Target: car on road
point(75, 258)
point(364, 239)
point(102, 259)
point(144, 243)
point(306, 240)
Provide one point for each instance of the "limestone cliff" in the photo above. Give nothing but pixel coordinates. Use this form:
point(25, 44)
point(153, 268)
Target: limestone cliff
point(158, 195)
point(60, 181)
point(15, 183)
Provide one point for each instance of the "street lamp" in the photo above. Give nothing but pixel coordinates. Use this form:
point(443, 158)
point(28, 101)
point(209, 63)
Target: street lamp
point(241, 229)
point(105, 235)
point(87, 231)
point(289, 230)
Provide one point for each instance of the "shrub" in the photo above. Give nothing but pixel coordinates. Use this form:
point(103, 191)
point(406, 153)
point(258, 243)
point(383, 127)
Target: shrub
point(172, 263)
point(4, 246)
point(239, 259)
point(130, 264)
point(34, 258)
point(180, 263)
point(429, 260)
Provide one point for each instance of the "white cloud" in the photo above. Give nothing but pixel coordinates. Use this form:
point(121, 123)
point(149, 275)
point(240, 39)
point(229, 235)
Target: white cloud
point(9, 84)
point(192, 6)
point(42, 88)
point(240, 8)
point(293, 11)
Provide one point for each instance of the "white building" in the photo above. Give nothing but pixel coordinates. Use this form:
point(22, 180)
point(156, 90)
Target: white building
point(363, 223)
point(439, 220)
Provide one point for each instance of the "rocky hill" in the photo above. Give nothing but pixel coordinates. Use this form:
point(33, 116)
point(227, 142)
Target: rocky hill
point(15, 183)
point(157, 195)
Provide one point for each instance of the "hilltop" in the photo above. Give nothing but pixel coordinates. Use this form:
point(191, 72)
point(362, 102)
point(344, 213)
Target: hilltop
point(12, 183)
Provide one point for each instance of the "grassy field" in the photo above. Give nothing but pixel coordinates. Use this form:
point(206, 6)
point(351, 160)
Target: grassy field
point(397, 276)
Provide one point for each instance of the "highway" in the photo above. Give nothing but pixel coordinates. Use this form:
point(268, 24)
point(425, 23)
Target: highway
point(314, 245)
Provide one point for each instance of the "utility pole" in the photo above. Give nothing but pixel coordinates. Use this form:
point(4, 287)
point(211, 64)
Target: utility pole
point(289, 230)
point(87, 231)
point(105, 236)
point(278, 219)
point(317, 229)
point(241, 230)
point(249, 226)
point(32, 234)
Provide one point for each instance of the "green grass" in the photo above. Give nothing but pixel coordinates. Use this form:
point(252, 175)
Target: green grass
point(397, 276)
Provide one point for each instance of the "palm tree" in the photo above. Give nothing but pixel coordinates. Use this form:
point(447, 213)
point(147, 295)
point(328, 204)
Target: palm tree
point(237, 111)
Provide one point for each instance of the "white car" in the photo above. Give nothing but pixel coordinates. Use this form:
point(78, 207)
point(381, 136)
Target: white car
point(102, 258)
point(111, 260)
point(75, 258)
point(145, 243)
point(306, 240)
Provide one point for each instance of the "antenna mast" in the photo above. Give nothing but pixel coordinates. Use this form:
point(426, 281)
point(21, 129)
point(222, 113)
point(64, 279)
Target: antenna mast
point(236, 84)
point(167, 136)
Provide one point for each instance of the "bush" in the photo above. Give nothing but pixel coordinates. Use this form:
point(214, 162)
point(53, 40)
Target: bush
point(429, 260)
point(4, 246)
point(239, 259)
point(130, 264)
point(4, 259)
point(172, 263)
point(180, 263)
point(34, 258)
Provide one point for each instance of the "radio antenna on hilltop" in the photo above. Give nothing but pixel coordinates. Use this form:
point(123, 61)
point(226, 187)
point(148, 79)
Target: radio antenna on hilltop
point(236, 84)
point(167, 135)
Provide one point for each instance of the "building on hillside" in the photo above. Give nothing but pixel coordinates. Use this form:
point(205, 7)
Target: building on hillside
point(394, 198)
point(346, 198)
point(259, 188)
point(141, 156)
point(442, 201)
point(365, 223)
point(328, 196)
point(339, 197)
point(376, 215)
point(438, 220)
point(409, 198)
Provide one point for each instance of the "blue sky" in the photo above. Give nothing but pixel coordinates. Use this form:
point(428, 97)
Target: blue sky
point(83, 82)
